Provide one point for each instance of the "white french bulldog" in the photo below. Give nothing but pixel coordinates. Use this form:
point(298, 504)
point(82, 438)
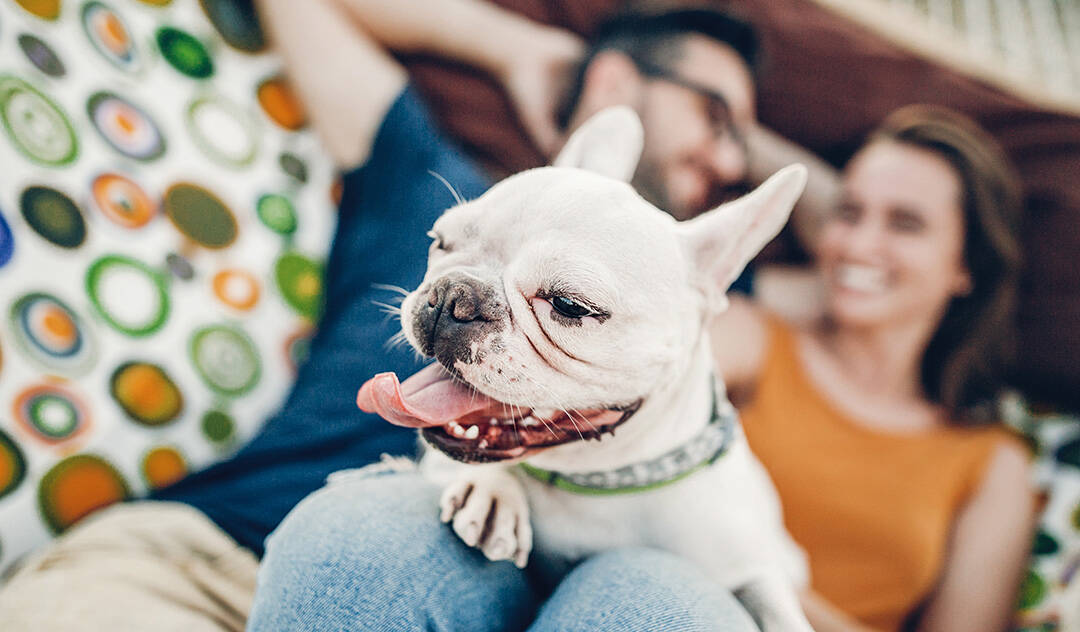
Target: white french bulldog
point(574, 373)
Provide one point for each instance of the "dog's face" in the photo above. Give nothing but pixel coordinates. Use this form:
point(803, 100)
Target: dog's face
point(557, 302)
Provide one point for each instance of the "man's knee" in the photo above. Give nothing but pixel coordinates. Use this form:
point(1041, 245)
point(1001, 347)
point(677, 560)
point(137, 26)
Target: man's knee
point(360, 518)
point(645, 589)
point(372, 550)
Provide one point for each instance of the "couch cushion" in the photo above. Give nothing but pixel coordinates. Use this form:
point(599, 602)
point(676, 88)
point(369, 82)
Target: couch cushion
point(163, 216)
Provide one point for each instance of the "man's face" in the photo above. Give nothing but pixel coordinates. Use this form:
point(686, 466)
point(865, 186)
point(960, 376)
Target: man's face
point(694, 147)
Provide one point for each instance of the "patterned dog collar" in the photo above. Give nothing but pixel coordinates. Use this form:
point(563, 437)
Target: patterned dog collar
point(698, 453)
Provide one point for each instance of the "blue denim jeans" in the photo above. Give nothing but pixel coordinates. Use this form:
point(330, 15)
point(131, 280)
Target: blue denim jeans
point(367, 552)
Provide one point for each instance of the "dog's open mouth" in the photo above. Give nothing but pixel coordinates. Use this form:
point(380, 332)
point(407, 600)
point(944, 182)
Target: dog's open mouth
point(472, 427)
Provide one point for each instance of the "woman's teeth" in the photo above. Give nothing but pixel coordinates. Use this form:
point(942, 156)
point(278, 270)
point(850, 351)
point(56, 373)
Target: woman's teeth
point(861, 278)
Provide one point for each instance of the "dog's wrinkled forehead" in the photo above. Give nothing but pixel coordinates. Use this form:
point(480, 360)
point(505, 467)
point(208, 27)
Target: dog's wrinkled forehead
point(570, 213)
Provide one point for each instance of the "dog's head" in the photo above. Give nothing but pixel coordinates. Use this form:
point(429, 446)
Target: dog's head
point(559, 300)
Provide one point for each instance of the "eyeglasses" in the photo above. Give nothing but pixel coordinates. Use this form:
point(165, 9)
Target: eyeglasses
point(717, 107)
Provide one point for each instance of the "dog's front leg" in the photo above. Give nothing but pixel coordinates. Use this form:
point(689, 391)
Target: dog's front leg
point(489, 511)
point(772, 602)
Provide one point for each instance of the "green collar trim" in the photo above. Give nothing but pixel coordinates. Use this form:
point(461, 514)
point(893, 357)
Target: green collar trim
point(696, 454)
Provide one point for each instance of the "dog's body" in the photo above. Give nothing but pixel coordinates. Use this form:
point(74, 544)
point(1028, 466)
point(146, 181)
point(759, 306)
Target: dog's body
point(576, 311)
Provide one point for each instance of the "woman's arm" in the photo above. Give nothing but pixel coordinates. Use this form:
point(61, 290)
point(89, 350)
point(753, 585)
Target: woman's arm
point(989, 546)
point(739, 338)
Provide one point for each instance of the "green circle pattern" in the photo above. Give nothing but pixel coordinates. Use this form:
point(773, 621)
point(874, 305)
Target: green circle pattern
point(218, 427)
point(25, 112)
point(185, 53)
point(94, 275)
point(43, 411)
point(226, 359)
point(277, 213)
point(300, 281)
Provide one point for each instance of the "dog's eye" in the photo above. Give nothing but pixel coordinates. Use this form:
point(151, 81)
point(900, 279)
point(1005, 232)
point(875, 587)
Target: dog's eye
point(569, 307)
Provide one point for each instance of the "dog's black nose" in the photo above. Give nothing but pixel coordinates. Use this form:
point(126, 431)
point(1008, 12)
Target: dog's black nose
point(459, 310)
point(458, 299)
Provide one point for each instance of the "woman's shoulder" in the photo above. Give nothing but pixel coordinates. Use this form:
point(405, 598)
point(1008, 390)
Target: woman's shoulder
point(741, 338)
point(995, 456)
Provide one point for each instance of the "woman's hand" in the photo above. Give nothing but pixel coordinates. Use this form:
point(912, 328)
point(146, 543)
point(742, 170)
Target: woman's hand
point(536, 77)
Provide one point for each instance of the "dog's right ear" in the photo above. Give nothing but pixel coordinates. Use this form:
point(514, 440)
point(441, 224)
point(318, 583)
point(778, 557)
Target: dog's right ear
point(719, 243)
point(608, 143)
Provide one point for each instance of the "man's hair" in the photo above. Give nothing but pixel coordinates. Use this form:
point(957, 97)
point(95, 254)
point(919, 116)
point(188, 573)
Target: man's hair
point(654, 40)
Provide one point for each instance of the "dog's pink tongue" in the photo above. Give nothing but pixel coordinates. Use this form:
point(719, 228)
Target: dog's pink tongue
point(432, 397)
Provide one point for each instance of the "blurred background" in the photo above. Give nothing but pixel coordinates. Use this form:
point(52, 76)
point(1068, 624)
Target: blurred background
point(165, 212)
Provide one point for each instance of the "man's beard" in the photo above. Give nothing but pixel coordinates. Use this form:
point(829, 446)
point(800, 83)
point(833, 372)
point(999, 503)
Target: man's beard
point(649, 183)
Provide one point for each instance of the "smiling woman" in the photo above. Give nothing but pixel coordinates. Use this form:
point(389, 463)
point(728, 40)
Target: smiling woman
point(886, 399)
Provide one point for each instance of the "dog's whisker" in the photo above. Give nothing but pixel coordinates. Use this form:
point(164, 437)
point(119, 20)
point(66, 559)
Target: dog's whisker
point(391, 288)
point(395, 309)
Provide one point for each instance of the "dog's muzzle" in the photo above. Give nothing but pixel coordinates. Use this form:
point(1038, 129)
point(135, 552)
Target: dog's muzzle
point(458, 311)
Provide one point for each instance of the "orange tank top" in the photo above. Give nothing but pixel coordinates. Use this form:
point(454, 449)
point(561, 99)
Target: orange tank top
point(872, 510)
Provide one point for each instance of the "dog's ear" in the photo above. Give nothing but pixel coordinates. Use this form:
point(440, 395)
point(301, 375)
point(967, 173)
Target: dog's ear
point(719, 243)
point(608, 143)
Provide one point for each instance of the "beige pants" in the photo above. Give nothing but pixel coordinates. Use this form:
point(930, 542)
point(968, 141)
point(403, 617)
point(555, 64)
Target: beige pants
point(137, 566)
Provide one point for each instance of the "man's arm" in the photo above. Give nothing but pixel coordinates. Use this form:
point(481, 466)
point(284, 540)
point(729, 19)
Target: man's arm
point(345, 79)
point(337, 55)
point(768, 153)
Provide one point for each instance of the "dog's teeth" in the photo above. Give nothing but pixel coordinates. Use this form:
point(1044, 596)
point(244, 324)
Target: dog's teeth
point(493, 422)
point(483, 444)
point(529, 421)
point(544, 413)
point(457, 430)
point(472, 433)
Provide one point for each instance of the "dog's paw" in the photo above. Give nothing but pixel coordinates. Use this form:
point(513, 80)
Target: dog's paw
point(490, 513)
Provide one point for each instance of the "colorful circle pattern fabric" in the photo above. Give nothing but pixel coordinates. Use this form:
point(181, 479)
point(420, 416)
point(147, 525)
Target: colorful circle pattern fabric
point(7, 241)
point(44, 9)
point(125, 127)
point(236, 22)
point(35, 124)
point(51, 334)
point(41, 55)
point(222, 131)
point(76, 486)
point(51, 413)
point(128, 294)
point(300, 281)
point(280, 104)
point(226, 359)
point(200, 215)
point(146, 393)
point(277, 213)
point(162, 466)
point(12, 465)
point(110, 36)
point(123, 201)
point(155, 168)
point(218, 427)
point(185, 53)
point(53, 215)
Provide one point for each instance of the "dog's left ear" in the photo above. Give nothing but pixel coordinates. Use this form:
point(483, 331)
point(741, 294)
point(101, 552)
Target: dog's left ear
point(719, 243)
point(608, 143)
